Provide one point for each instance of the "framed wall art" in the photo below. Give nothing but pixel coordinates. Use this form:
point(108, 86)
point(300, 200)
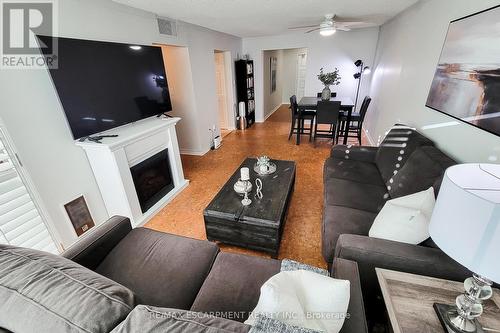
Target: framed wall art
point(274, 68)
point(466, 83)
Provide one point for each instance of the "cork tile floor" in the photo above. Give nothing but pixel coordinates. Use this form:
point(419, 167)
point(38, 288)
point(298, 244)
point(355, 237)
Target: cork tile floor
point(207, 174)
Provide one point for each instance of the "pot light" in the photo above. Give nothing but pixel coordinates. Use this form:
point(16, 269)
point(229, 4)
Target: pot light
point(135, 47)
point(327, 31)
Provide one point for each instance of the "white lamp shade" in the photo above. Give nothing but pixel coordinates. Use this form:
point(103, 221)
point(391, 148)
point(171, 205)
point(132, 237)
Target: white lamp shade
point(465, 222)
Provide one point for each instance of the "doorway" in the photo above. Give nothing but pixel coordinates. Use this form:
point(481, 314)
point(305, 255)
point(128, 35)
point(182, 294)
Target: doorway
point(224, 92)
point(294, 73)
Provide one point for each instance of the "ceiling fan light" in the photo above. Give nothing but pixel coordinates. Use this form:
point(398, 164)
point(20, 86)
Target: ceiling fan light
point(327, 31)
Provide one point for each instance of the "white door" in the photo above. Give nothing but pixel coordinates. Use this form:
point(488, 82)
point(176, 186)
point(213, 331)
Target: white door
point(301, 74)
point(220, 85)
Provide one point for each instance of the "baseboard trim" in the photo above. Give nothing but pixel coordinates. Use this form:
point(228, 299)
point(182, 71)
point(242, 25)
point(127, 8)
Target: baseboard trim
point(193, 152)
point(269, 115)
point(369, 137)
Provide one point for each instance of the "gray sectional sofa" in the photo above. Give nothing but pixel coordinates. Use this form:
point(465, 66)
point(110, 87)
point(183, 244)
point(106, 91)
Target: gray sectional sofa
point(357, 183)
point(120, 279)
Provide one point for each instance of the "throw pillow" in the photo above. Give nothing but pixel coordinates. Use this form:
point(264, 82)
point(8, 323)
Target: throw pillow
point(405, 219)
point(265, 324)
point(304, 299)
point(425, 167)
point(42, 292)
point(292, 265)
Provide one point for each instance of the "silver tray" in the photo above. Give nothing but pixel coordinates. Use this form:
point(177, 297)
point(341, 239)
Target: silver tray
point(272, 169)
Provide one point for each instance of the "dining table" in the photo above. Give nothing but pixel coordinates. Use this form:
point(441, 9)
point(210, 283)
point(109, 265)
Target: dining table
point(311, 104)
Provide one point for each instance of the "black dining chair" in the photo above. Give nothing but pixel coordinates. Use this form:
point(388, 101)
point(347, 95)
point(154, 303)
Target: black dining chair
point(327, 113)
point(356, 124)
point(300, 119)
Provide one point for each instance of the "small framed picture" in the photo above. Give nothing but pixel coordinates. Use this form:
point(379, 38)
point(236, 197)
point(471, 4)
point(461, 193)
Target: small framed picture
point(79, 215)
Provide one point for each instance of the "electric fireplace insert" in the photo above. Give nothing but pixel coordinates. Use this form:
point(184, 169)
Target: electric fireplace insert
point(152, 179)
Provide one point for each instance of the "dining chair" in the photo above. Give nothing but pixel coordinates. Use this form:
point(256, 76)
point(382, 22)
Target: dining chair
point(299, 119)
point(327, 113)
point(356, 124)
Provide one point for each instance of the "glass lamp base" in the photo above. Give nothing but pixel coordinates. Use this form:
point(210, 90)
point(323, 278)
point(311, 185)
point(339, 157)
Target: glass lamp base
point(452, 323)
point(246, 202)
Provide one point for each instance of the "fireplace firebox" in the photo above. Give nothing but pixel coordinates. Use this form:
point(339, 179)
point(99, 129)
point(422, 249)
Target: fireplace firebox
point(152, 179)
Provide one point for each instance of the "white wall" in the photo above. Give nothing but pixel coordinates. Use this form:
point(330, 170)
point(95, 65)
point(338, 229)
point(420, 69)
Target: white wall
point(181, 88)
point(408, 52)
point(339, 50)
point(272, 100)
point(33, 115)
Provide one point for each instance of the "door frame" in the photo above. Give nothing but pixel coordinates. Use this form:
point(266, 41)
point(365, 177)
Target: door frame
point(230, 88)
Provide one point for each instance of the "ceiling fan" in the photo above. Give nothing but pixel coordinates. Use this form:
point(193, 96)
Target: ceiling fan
point(330, 25)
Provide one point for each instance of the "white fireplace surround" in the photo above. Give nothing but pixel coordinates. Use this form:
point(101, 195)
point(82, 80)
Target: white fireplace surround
point(112, 159)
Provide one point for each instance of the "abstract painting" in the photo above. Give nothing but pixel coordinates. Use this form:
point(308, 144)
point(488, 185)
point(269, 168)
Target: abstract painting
point(274, 68)
point(466, 84)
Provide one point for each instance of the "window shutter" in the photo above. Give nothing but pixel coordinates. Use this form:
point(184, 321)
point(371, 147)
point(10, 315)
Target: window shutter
point(21, 223)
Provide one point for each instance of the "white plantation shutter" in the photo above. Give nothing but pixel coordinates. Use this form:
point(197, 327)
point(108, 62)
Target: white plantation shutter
point(21, 223)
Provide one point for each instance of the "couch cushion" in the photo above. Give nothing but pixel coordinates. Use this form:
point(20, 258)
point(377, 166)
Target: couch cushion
point(232, 288)
point(347, 193)
point(41, 292)
point(358, 153)
point(398, 145)
point(338, 220)
point(423, 169)
point(148, 319)
point(358, 171)
point(162, 269)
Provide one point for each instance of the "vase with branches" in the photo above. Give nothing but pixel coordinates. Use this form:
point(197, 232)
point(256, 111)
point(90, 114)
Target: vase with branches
point(328, 79)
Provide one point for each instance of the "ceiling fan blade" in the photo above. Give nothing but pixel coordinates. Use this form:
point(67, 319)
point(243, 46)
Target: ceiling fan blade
point(340, 23)
point(337, 18)
point(312, 30)
point(304, 26)
point(343, 28)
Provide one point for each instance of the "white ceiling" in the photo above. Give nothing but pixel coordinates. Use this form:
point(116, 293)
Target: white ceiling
point(248, 18)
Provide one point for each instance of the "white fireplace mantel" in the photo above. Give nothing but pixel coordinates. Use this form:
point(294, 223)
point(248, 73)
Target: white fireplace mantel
point(112, 159)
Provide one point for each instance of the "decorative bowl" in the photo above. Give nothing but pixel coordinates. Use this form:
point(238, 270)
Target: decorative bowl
point(241, 187)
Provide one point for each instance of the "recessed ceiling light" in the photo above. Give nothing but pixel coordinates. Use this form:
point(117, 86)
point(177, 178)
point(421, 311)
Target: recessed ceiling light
point(135, 47)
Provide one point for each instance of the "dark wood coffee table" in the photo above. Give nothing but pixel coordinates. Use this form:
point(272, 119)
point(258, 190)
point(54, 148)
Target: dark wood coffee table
point(260, 225)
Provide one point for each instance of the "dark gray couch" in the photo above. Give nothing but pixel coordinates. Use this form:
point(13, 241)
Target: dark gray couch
point(357, 183)
point(157, 273)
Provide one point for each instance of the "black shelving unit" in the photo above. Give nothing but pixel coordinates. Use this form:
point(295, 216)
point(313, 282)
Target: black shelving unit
point(245, 88)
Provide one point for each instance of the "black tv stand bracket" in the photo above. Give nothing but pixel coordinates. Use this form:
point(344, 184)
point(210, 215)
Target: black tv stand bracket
point(97, 138)
point(164, 114)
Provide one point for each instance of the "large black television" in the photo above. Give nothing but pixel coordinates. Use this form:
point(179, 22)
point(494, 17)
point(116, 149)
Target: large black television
point(102, 85)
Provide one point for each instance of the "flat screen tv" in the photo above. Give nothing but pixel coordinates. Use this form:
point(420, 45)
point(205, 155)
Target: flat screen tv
point(102, 85)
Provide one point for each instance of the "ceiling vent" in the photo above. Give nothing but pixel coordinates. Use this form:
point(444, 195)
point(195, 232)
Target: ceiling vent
point(167, 26)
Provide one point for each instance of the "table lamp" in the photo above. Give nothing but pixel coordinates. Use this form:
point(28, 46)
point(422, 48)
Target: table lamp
point(465, 224)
